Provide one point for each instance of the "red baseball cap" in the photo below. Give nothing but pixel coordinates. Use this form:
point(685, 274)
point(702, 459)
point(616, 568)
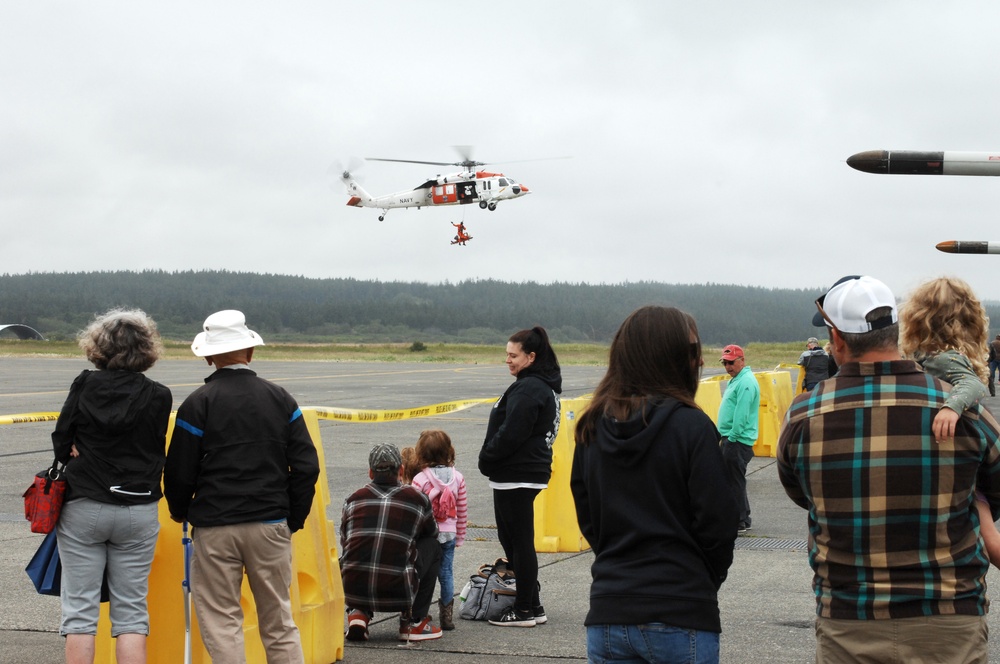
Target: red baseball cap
point(732, 352)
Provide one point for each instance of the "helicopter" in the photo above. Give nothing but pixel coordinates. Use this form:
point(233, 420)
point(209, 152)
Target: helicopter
point(465, 187)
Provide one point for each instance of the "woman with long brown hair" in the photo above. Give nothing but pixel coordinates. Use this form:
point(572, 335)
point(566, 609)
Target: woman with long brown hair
point(652, 498)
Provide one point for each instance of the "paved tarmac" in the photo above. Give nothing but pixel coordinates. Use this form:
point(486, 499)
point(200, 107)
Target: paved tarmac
point(767, 603)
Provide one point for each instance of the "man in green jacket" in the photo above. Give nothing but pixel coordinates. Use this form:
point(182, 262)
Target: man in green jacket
point(737, 423)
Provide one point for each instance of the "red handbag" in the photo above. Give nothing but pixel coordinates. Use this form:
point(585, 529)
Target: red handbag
point(44, 498)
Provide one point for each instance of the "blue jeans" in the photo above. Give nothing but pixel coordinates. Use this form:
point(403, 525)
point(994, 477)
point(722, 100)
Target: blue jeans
point(655, 643)
point(445, 574)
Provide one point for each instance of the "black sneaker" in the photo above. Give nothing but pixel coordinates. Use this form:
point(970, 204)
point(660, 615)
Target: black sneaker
point(742, 528)
point(540, 618)
point(511, 618)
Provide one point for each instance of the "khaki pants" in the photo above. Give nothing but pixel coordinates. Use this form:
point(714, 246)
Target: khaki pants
point(220, 555)
point(930, 640)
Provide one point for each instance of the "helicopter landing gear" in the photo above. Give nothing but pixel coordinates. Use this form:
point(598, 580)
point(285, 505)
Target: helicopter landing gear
point(482, 205)
point(492, 206)
point(381, 217)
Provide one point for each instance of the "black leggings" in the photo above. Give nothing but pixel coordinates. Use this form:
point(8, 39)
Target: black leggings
point(515, 514)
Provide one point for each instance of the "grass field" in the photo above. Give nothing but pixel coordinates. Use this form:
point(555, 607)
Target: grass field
point(759, 355)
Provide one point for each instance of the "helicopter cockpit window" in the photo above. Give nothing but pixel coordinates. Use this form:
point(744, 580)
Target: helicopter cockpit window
point(503, 182)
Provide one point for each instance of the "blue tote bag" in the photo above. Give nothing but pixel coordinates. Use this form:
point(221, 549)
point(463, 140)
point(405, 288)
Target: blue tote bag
point(44, 569)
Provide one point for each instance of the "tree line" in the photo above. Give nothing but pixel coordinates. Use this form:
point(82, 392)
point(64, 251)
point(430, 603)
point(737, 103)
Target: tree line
point(292, 308)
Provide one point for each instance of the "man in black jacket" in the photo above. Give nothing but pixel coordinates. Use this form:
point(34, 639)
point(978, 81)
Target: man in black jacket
point(242, 468)
point(816, 364)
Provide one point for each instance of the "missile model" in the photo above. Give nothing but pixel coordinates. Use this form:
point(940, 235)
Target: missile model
point(907, 162)
point(910, 162)
point(967, 247)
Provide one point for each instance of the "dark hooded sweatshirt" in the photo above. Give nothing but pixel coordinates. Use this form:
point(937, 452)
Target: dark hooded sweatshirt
point(522, 427)
point(118, 422)
point(653, 501)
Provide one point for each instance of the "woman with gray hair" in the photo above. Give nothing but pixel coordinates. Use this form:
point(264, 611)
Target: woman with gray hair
point(111, 433)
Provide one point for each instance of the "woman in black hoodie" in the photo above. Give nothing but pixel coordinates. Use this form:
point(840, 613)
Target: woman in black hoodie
point(517, 457)
point(652, 498)
point(111, 433)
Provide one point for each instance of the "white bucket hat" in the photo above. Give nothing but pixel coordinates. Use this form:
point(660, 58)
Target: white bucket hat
point(225, 331)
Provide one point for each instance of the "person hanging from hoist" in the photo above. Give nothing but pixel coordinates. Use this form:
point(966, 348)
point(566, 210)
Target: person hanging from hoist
point(462, 234)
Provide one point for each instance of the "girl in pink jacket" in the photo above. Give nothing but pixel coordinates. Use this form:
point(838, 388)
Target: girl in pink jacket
point(445, 486)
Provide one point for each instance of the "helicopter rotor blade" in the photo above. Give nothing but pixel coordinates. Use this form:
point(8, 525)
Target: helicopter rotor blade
point(524, 161)
point(467, 163)
point(413, 161)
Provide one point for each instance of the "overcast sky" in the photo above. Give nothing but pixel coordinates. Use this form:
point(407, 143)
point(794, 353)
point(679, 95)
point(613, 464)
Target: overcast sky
point(707, 140)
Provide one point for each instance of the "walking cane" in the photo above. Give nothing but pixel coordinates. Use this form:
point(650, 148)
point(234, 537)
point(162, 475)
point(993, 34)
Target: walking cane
point(186, 541)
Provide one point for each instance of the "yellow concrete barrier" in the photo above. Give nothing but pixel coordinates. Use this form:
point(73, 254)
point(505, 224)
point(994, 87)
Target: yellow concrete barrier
point(775, 398)
point(556, 529)
point(317, 592)
point(709, 395)
point(800, 376)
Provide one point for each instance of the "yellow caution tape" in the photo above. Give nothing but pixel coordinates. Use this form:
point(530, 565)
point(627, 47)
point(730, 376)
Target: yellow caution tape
point(338, 414)
point(28, 417)
point(374, 416)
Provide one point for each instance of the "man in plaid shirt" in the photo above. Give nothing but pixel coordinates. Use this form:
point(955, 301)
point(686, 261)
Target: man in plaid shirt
point(899, 566)
point(390, 553)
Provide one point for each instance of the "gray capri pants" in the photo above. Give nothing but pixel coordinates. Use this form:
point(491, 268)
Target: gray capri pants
point(93, 535)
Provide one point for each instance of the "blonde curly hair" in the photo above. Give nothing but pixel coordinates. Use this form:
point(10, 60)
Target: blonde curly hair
point(945, 314)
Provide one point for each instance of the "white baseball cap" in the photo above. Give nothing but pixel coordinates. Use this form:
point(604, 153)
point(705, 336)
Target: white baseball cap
point(225, 331)
point(851, 299)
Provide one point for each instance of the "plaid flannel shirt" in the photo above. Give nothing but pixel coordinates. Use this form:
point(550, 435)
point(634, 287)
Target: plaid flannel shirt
point(893, 530)
point(379, 531)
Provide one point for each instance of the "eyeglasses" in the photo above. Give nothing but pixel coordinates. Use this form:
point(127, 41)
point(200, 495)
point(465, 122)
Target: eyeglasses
point(819, 305)
point(728, 362)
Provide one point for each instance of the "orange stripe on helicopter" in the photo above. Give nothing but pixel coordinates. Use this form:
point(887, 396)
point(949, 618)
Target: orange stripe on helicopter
point(484, 174)
point(355, 201)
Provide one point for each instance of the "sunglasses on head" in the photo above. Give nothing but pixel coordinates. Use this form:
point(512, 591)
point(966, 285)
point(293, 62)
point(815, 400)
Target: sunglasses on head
point(822, 298)
point(826, 318)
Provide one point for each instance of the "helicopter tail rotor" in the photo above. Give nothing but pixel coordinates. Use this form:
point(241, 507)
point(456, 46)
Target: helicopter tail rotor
point(350, 182)
point(345, 173)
